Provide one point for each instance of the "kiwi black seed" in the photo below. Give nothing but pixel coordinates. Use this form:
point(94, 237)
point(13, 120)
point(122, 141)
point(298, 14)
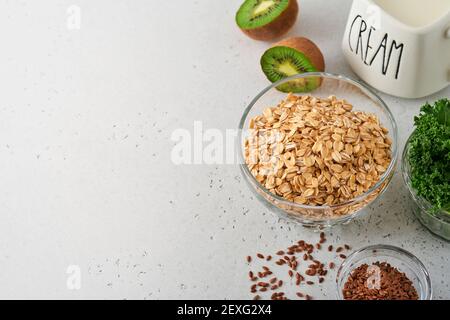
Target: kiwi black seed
point(290, 57)
point(266, 19)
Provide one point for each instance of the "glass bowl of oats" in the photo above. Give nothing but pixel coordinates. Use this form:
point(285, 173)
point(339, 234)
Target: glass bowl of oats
point(318, 157)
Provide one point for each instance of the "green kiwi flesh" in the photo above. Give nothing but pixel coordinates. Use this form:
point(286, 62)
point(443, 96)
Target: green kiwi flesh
point(281, 62)
point(257, 13)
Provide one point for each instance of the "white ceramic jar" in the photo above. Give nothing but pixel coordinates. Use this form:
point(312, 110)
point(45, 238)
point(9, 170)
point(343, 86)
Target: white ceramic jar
point(400, 47)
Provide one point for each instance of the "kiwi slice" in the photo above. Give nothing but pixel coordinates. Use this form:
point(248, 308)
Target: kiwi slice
point(291, 57)
point(266, 19)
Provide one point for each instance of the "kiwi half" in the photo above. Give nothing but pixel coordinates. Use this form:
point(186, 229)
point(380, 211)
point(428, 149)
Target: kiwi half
point(290, 57)
point(266, 19)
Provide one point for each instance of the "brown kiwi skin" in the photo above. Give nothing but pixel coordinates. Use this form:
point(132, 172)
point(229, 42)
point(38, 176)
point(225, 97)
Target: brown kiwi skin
point(308, 48)
point(278, 27)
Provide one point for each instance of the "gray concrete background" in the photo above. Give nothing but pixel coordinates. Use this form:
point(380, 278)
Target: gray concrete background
point(86, 117)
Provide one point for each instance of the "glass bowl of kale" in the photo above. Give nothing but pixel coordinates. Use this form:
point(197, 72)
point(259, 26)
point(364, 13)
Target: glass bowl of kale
point(426, 167)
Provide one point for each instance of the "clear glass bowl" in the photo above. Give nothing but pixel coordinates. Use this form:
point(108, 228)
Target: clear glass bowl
point(438, 222)
point(396, 257)
point(363, 99)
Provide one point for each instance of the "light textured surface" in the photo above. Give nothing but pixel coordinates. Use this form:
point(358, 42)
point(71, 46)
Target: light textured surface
point(85, 123)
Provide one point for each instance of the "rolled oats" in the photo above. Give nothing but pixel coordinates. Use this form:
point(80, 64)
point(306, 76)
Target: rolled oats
point(317, 151)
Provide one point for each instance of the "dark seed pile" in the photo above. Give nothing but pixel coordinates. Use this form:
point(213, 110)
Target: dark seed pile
point(296, 257)
point(393, 284)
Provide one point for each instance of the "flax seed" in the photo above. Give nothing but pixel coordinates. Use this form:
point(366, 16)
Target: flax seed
point(259, 255)
point(311, 272)
point(249, 259)
point(396, 285)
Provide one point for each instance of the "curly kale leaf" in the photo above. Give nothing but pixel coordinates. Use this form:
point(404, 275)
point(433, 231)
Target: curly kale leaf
point(429, 155)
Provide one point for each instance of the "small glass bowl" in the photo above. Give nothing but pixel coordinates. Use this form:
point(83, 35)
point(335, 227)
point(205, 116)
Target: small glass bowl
point(396, 257)
point(438, 222)
point(363, 99)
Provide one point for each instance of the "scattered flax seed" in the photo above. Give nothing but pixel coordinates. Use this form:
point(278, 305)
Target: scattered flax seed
point(291, 258)
point(311, 272)
point(342, 256)
point(308, 297)
point(347, 247)
point(300, 295)
point(257, 297)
